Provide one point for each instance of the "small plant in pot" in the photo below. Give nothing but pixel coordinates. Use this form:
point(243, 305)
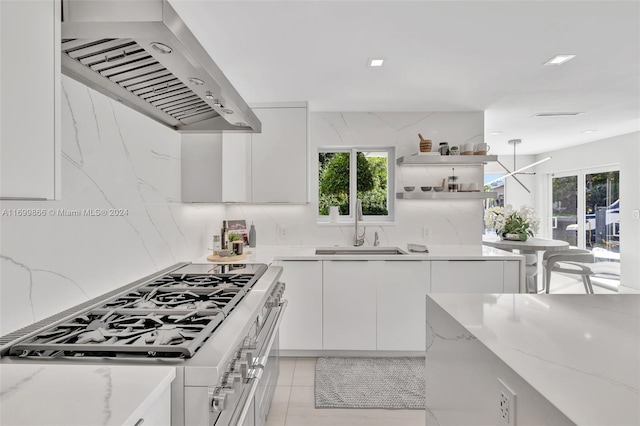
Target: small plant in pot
point(236, 242)
point(454, 150)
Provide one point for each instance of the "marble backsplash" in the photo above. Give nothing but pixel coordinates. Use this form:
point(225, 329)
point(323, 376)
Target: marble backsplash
point(112, 158)
point(448, 221)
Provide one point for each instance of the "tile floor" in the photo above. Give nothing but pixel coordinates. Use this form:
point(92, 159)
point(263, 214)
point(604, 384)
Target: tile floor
point(294, 404)
point(564, 284)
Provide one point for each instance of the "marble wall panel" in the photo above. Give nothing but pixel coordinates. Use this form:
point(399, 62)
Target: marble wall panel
point(113, 159)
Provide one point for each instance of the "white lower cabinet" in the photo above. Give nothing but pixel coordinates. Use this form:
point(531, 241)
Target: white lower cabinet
point(466, 276)
point(377, 305)
point(401, 287)
point(159, 414)
point(349, 305)
point(301, 327)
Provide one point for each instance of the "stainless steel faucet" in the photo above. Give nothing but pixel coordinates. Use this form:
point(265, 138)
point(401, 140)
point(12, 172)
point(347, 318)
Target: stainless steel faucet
point(358, 240)
point(376, 242)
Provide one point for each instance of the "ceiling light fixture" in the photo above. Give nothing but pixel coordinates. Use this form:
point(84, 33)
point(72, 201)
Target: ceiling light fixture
point(585, 132)
point(499, 132)
point(558, 114)
point(515, 142)
point(376, 62)
point(559, 60)
point(208, 95)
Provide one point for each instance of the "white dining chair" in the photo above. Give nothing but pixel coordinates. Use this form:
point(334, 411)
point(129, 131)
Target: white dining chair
point(573, 261)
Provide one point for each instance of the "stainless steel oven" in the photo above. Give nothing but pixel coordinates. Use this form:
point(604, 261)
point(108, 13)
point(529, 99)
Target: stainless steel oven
point(216, 324)
point(248, 385)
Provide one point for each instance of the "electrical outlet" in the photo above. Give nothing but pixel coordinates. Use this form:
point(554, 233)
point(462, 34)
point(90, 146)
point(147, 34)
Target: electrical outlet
point(425, 232)
point(506, 405)
point(636, 214)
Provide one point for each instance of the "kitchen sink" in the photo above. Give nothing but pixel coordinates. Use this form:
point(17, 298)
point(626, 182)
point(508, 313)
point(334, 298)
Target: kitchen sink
point(366, 251)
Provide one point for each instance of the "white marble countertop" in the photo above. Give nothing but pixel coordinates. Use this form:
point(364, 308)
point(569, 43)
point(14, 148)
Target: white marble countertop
point(68, 395)
point(267, 254)
point(581, 352)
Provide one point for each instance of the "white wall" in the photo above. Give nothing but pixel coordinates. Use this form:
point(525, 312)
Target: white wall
point(113, 158)
point(449, 222)
point(515, 194)
point(621, 150)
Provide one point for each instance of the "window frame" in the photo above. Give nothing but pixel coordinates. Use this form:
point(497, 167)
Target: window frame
point(353, 193)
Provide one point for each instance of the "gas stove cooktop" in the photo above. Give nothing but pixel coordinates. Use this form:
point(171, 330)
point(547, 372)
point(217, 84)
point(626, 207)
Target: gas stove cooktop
point(170, 316)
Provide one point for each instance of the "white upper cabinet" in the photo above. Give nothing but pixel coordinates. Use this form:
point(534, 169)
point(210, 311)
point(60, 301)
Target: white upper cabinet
point(279, 156)
point(267, 167)
point(30, 91)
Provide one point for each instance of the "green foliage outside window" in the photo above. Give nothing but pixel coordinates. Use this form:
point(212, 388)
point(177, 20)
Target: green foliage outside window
point(334, 182)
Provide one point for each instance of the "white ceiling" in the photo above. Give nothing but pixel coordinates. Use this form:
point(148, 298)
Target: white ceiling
point(440, 56)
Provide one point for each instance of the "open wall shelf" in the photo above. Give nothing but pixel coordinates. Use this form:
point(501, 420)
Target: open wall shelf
point(431, 195)
point(449, 160)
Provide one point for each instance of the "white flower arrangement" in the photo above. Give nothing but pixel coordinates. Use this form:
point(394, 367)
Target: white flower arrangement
point(505, 220)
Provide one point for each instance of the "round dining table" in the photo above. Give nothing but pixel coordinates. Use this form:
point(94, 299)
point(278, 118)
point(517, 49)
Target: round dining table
point(530, 249)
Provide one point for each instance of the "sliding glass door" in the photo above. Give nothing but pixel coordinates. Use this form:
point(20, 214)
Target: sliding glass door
point(585, 212)
point(564, 208)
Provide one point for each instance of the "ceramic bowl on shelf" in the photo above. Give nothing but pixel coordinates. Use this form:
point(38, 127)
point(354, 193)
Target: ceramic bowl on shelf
point(438, 188)
point(425, 188)
point(409, 188)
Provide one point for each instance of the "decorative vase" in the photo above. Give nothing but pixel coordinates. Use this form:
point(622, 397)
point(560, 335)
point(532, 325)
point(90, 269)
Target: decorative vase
point(512, 237)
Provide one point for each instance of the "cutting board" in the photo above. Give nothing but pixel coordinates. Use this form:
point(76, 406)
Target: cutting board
point(227, 259)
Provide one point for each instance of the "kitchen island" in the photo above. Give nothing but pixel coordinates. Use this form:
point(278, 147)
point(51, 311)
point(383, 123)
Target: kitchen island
point(70, 395)
point(569, 359)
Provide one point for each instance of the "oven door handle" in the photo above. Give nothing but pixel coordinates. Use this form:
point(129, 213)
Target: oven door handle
point(257, 374)
point(261, 361)
point(259, 365)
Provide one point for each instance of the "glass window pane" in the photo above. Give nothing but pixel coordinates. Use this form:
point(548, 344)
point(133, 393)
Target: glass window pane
point(333, 181)
point(372, 182)
point(565, 209)
point(602, 206)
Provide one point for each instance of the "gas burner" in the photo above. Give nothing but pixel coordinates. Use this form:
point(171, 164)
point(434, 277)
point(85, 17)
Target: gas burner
point(201, 281)
point(170, 316)
point(131, 335)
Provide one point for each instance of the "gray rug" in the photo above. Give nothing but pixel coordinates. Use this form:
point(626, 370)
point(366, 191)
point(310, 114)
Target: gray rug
point(397, 383)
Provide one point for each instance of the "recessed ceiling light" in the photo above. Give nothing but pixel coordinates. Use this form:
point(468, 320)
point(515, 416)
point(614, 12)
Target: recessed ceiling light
point(559, 59)
point(558, 114)
point(208, 95)
point(588, 131)
point(376, 62)
point(240, 124)
point(496, 133)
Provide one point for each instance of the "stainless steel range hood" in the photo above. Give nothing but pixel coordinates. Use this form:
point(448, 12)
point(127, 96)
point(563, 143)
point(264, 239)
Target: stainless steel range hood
point(140, 53)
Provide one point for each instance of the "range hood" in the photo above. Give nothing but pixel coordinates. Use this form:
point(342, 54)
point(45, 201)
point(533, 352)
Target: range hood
point(142, 54)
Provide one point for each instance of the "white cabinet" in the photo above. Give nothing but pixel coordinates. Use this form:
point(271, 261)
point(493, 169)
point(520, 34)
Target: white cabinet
point(301, 327)
point(349, 306)
point(159, 414)
point(267, 167)
point(214, 167)
point(401, 287)
point(279, 158)
point(30, 86)
point(468, 276)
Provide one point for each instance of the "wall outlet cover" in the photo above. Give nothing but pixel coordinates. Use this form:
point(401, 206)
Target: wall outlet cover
point(506, 405)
